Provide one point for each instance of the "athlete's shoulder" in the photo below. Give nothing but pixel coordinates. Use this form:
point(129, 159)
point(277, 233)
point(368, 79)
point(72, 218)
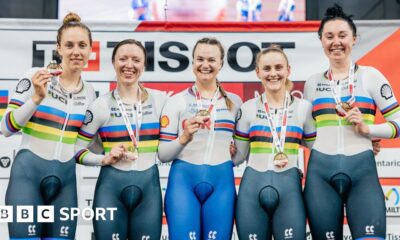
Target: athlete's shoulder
point(249, 105)
point(250, 102)
point(88, 86)
point(301, 102)
point(235, 99)
point(180, 95)
point(177, 101)
point(369, 70)
point(103, 100)
point(315, 77)
point(157, 93)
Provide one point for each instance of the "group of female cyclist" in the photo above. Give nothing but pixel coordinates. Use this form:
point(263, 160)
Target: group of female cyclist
point(204, 131)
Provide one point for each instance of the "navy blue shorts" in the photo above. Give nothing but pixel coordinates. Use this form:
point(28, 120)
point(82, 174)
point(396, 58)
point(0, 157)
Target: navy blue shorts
point(337, 181)
point(35, 181)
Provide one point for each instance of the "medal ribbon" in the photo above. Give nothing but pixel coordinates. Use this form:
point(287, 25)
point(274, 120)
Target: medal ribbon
point(279, 141)
point(200, 104)
point(139, 115)
point(337, 89)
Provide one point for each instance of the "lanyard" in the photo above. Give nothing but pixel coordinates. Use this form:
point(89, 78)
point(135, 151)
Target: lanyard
point(139, 114)
point(199, 103)
point(336, 89)
point(279, 141)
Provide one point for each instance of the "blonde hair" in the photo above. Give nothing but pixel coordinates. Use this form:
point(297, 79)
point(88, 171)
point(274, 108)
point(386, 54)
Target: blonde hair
point(216, 42)
point(275, 48)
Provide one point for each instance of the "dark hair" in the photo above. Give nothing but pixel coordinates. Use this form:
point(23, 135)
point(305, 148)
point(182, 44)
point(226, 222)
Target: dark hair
point(72, 20)
point(334, 13)
point(275, 48)
point(145, 94)
point(216, 42)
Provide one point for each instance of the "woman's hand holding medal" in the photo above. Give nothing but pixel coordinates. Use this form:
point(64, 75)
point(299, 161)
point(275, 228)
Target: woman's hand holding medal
point(355, 117)
point(39, 81)
point(191, 126)
point(116, 154)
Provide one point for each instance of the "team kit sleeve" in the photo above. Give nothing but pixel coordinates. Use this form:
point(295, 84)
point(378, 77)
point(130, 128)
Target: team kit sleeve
point(381, 91)
point(309, 127)
point(21, 106)
point(170, 147)
point(309, 88)
point(160, 99)
point(241, 137)
point(95, 117)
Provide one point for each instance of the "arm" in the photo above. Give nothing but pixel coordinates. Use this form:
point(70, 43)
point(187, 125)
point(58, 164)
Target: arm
point(28, 94)
point(381, 91)
point(309, 130)
point(242, 135)
point(95, 117)
point(170, 144)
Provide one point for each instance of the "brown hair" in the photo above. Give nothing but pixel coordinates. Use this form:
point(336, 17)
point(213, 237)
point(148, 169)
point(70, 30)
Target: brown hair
point(275, 48)
point(215, 42)
point(72, 20)
point(145, 94)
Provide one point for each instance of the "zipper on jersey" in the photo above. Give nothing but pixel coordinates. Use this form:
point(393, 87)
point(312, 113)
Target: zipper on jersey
point(340, 127)
point(57, 153)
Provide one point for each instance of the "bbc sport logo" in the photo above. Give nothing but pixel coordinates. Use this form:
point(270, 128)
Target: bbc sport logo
point(30, 214)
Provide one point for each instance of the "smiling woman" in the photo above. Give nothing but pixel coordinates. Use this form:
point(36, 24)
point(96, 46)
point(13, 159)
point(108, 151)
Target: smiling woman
point(200, 195)
point(49, 117)
point(129, 179)
point(342, 170)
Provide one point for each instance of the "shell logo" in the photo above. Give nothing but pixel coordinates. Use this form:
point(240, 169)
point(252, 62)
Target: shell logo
point(164, 121)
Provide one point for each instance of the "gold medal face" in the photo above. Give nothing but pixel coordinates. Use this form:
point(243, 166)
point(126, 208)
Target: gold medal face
point(132, 153)
point(346, 106)
point(281, 160)
point(135, 154)
point(203, 113)
point(56, 70)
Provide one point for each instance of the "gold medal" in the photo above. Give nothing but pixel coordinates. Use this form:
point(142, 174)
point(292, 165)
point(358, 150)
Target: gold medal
point(281, 160)
point(343, 106)
point(54, 69)
point(203, 113)
point(132, 153)
point(346, 106)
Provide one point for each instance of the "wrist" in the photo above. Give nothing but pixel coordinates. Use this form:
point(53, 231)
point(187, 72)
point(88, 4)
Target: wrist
point(183, 139)
point(37, 100)
point(105, 159)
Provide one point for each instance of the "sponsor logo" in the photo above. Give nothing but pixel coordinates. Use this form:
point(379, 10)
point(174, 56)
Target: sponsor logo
point(23, 85)
point(88, 117)
point(212, 235)
point(164, 121)
point(64, 231)
point(369, 230)
point(288, 233)
point(386, 91)
point(5, 162)
point(253, 237)
point(330, 235)
point(192, 235)
point(115, 236)
point(32, 230)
